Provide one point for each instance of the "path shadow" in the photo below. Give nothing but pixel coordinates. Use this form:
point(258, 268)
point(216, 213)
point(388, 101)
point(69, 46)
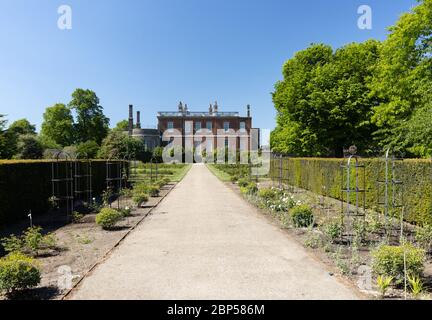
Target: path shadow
point(41, 293)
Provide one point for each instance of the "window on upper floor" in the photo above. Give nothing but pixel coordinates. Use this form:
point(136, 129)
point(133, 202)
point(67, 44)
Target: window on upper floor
point(209, 125)
point(170, 125)
point(226, 125)
point(242, 126)
point(197, 126)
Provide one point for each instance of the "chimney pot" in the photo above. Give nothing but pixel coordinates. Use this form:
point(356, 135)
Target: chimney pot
point(138, 124)
point(130, 126)
point(248, 111)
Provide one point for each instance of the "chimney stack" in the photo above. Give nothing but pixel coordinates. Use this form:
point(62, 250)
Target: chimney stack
point(130, 127)
point(248, 111)
point(138, 124)
point(215, 107)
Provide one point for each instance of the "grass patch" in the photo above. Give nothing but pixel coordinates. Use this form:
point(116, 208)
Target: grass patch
point(222, 175)
point(179, 173)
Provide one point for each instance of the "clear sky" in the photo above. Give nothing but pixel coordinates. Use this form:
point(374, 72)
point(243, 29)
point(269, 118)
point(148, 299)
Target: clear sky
point(154, 53)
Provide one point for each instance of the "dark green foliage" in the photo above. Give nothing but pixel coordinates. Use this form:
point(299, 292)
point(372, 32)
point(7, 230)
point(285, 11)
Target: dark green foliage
point(18, 272)
point(118, 145)
point(302, 216)
point(374, 95)
point(389, 261)
point(87, 150)
point(107, 218)
point(250, 188)
point(26, 185)
point(91, 123)
point(22, 126)
point(57, 126)
point(323, 103)
point(323, 176)
point(29, 147)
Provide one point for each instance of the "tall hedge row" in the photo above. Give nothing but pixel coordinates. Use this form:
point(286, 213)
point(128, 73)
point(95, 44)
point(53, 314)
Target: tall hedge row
point(26, 185)
point(324, 176)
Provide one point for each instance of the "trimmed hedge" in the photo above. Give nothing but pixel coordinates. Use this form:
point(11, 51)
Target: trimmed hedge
point(323, 176)
point(26, 185)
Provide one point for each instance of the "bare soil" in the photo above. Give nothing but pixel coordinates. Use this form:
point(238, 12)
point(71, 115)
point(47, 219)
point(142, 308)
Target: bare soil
point(81, 246)
point(327, 208)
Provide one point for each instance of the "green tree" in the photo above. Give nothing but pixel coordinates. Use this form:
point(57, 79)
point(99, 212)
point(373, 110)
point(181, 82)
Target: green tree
point(87, 150)
point(22, 126)
point(57, 127)
point(323, 103)
point(122, 126)
point(29, 147)
point(15, 130)
point(3, 152)
point(119, 145)
point(403, 77)
point(91, 123)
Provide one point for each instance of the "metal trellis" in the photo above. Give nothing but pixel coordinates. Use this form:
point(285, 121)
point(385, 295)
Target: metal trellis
point(390, 192)
point(62, 182)
point(353, 191)
point(83, 179)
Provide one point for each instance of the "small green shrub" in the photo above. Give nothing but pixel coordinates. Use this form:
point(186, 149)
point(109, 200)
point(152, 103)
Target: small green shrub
point(424, 237)
point(32, 241)
point(313, 241)
point(234, 178)
point(76, 217)
point(416, 286)
point(268, 194)
point(107, 218)
point(333, 230)
point(18, 272)
point(153, 191)
point(126, 192)
point(106, 196)
point(243, 182)
point(360, 231)
point(251, 188)
point(389, 261)
point(383, 283)
point(140, 197)
point(12, 244)
point(125, 212)
point(302, 216)
point(35, 241)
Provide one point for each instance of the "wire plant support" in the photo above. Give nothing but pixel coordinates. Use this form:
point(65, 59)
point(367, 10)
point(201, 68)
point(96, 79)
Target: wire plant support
point(154, 169)
point(114, 179)
point(83, 179)
point(390, 193)
point(62, 182)
point(353, 190)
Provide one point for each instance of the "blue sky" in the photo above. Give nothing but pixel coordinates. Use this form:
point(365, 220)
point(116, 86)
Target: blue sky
point(154, 53)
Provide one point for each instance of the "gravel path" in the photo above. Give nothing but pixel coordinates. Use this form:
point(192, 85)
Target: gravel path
point(204, 241)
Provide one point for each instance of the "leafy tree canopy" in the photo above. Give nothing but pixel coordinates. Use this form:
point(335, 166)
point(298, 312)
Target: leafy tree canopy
point(57, 127)
point(91, 123)
point(402, 80)
point(29, 147)
point(22, 126)
point(118, 145)
point(122, 126)
point(322, 102)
